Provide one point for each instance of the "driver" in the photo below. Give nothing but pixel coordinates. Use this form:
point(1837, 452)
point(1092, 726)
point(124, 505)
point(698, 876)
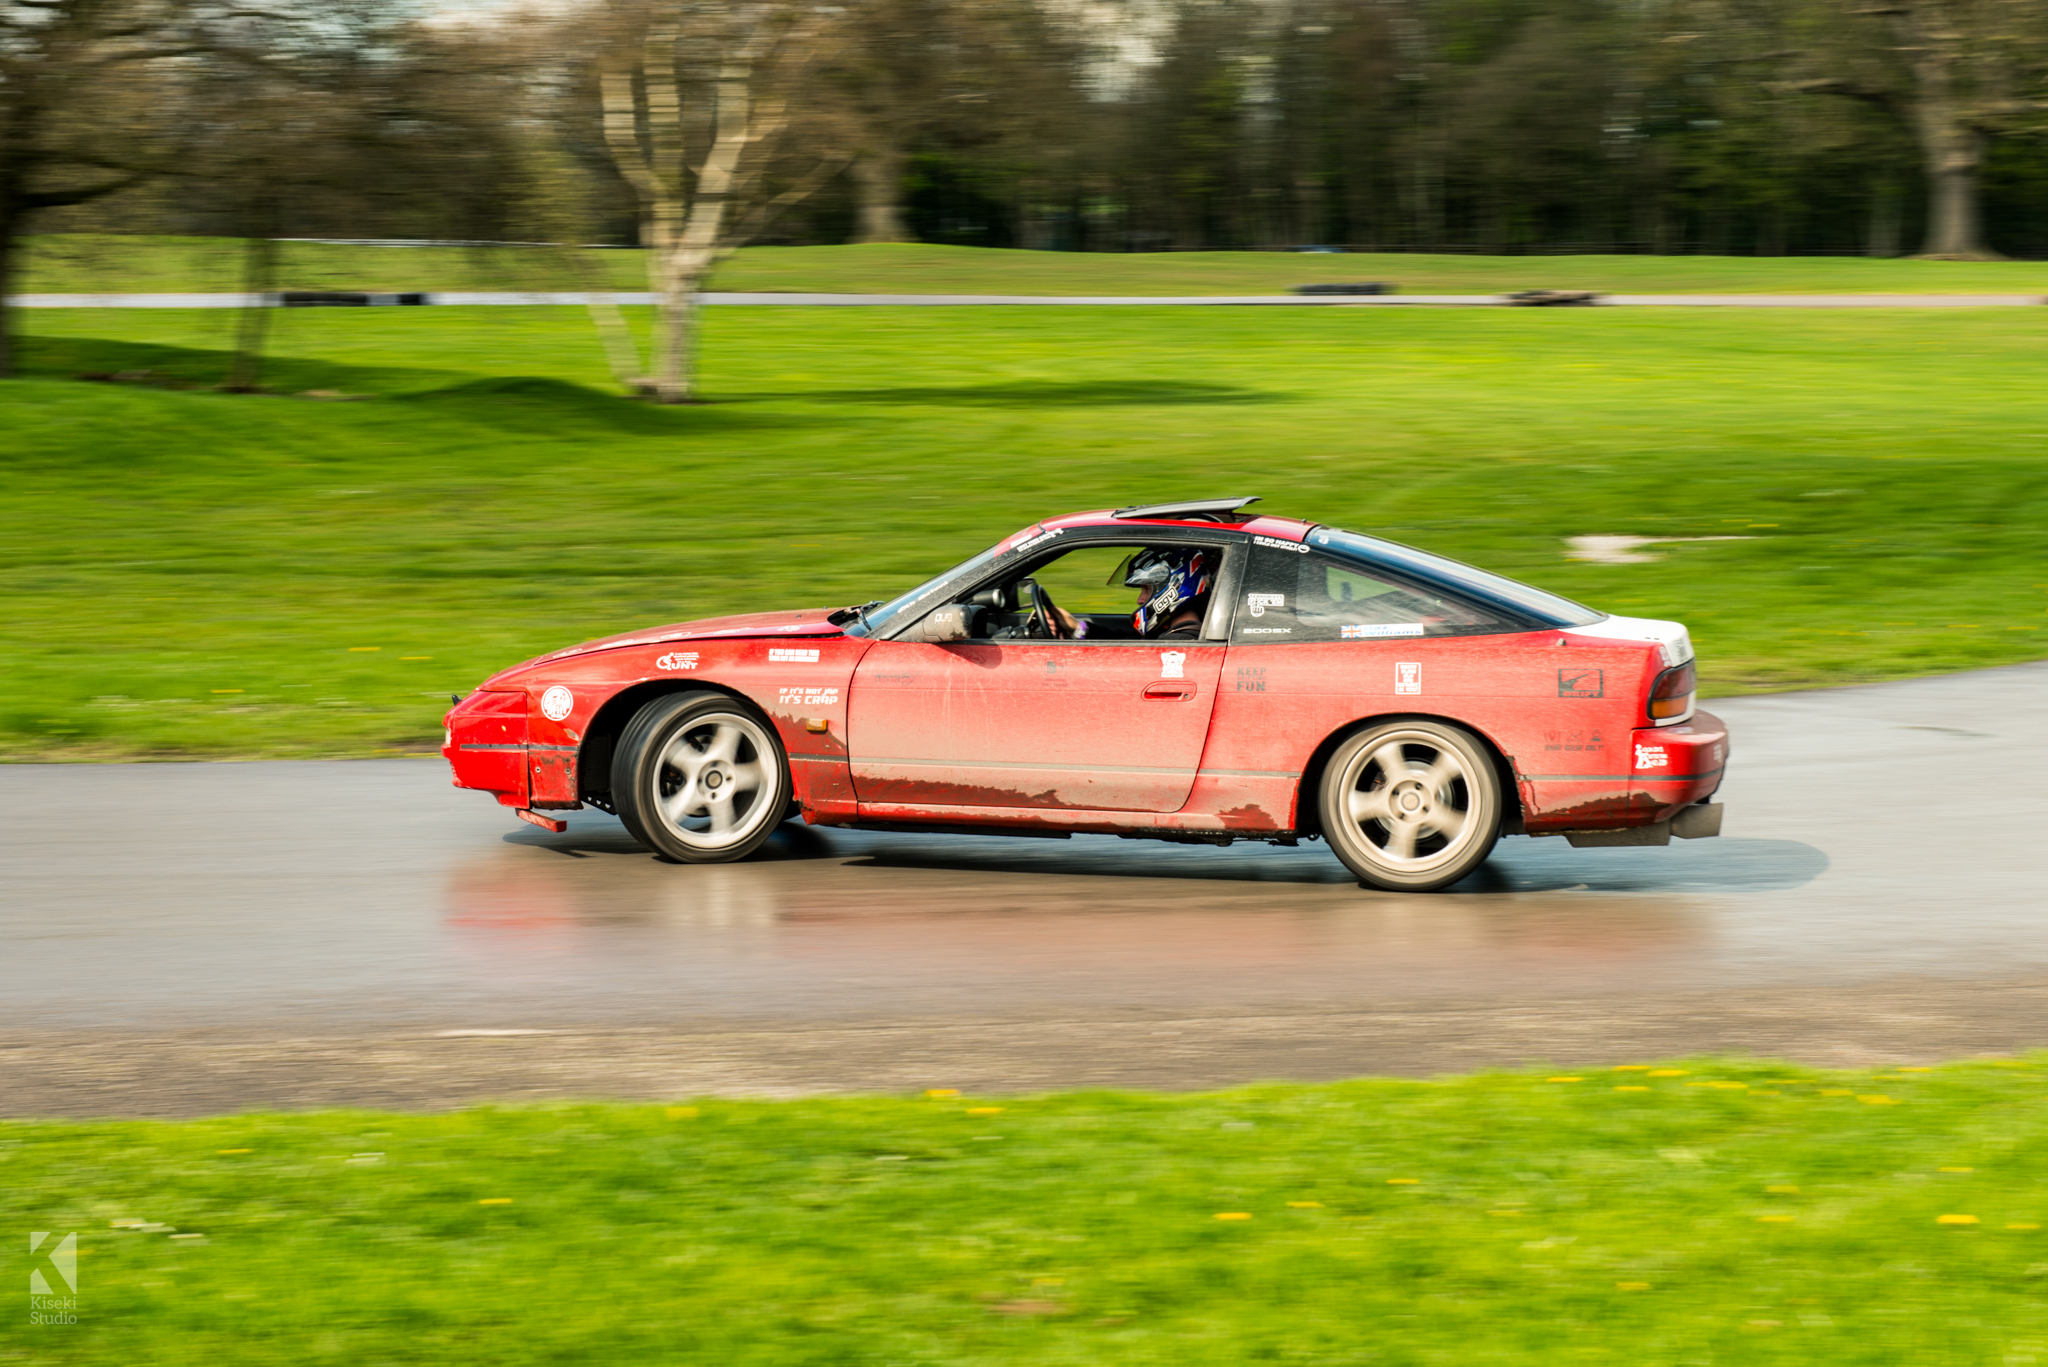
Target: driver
point(1173, 585)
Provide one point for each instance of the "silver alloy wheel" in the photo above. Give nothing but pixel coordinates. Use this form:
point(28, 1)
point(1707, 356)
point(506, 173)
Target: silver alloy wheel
point(715, 784)
point(1411, 806)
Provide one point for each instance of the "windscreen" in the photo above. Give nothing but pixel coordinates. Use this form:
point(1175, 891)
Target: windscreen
point(1541, 609)
point(879, 618)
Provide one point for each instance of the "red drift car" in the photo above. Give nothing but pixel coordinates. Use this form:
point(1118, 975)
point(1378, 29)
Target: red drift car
point(1406, 708)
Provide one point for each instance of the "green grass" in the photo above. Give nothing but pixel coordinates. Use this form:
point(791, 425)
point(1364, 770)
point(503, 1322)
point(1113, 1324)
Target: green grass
point(100, 262)
point(199, 574)
point(1732, 1213)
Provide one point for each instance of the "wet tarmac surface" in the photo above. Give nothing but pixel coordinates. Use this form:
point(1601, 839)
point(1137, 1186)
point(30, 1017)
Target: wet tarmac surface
point(174, 936)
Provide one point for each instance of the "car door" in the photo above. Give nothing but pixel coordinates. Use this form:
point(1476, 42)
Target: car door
point(1099, 725)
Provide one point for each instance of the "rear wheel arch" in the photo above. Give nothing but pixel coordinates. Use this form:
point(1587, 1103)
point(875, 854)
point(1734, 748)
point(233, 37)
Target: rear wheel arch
point(1308, 815)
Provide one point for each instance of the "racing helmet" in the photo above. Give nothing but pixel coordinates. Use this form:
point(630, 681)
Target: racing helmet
point(1176, 575)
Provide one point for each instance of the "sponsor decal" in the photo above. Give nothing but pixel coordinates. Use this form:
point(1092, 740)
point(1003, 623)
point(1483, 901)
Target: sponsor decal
point(1268, 631)
point(1280, 545)
point(1408, 677)
point(1038, 540)
point(1171, 662)
point(1573, 740)
point(557, 703)
point(1261, 601)
point(1575, 682)
point(680, 659)
point(1251, 679)
point(1652, 757)
point(801, 696)
point(790, 655)
point(1365, 632)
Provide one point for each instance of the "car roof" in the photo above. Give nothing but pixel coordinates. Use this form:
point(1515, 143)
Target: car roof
point(1282, 528)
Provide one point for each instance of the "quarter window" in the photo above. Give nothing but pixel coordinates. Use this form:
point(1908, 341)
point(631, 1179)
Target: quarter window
point(1296, 596)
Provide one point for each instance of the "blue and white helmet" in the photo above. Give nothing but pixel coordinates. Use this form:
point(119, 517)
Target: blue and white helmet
point(1176, 576)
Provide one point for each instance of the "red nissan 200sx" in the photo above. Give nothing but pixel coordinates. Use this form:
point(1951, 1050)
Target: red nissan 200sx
point(1310, 682)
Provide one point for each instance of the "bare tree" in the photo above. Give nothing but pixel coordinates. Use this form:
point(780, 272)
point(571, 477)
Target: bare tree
point(699, 101)
point(1959, 73)
point(68, 71)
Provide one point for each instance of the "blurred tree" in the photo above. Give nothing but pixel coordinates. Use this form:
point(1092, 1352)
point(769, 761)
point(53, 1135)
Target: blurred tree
point(1959, 73)
point(699, 101)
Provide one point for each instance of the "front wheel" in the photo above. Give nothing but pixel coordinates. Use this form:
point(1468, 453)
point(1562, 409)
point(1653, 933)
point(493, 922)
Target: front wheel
point(700, 778)
point(1411, 806)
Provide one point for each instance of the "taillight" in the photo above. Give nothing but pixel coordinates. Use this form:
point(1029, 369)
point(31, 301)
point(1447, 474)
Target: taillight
point(1671, 695)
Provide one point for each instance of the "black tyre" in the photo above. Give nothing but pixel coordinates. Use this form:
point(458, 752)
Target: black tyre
point(700, 777)
point(1411, 806)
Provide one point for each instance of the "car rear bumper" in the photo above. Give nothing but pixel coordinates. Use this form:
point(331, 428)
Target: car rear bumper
point(1673, 767)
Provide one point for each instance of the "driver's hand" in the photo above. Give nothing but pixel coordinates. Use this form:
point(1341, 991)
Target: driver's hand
point(1068, 622)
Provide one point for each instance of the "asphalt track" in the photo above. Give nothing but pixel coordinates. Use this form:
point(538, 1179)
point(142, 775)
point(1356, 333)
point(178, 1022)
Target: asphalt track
point(537, 297)
point(190, 938)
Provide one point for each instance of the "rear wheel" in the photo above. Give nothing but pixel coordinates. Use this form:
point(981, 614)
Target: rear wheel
point(1411, 806)
point(700, 777)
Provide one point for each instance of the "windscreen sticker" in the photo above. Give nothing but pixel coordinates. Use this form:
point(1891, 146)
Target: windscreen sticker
point(557, 703)
point(1039, 540)
point(1575, 682)
point(1261, 601)
point(790, 655)
point(1366, 631)
point(1408, 677)
point(1652, 757)
point(1280, 545)
point(1172, 663)
point(808, 697)
point(681, 659)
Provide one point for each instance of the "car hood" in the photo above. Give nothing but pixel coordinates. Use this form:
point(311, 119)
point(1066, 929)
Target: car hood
point(804, 622)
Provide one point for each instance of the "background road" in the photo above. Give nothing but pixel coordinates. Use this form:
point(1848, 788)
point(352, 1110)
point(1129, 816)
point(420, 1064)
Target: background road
point(182, 938)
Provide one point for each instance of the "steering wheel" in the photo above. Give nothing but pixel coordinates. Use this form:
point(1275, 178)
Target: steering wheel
point(1043, 623)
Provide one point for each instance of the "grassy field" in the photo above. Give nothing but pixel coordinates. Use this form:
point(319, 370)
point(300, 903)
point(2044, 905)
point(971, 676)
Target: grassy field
point(98, 263)
point(200, 574)
point(1704, 1213)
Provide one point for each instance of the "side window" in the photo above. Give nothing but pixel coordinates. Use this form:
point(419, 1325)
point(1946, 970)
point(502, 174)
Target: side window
point(1296, 596)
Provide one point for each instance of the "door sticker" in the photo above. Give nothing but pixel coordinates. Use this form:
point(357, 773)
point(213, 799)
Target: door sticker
point(1261, 601)
point(1574, 682)
point(1408, 677)
point(1170, 662)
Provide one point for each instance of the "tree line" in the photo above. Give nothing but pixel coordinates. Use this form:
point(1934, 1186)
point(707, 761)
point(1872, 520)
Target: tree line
point(1880, 127)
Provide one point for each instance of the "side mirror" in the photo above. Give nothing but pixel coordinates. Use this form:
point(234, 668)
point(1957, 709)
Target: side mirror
point(944, 624)
point(997, 598)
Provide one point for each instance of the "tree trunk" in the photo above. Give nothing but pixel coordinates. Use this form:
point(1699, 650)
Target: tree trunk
point(878, 175)
point(252, 327)
point(1955, 157)
point(8, 246)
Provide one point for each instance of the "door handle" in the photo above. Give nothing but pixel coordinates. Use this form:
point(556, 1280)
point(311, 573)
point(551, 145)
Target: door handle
point(1175, 688)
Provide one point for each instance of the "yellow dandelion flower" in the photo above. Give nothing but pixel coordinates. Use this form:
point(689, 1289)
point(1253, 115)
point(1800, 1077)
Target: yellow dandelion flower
point(495, 1201)
point(1774, 1219)
point(1631, 1286)
point(1730, 1086)
point(1904, 1069)
point(681, 1112)
point(1631, 1089)
point(984, 1110)
point(1669, 1072)
point(2022, 1224)
point(1955, 1219)
point(1877, 1101)
point(1403, 1181)
point(1233, 1215)
point(940, 1092)
point(1631, 1067)
point(234, 1151)
point(1304, 1205)
point(1836, 1091)
point(1564, 1079)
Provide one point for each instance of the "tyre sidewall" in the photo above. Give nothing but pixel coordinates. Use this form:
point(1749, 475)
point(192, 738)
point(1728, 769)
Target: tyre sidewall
point(1482, 785)
point(636, 768)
